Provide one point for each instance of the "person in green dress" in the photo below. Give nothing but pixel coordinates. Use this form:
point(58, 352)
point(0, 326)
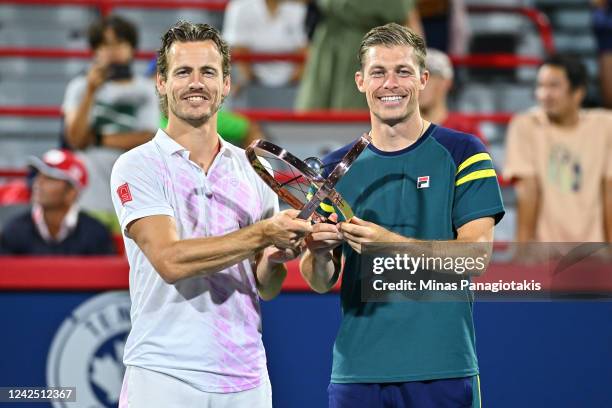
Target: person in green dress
point(328, 81)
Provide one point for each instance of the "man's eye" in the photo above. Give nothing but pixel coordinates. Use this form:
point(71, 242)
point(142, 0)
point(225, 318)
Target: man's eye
point(377, 74)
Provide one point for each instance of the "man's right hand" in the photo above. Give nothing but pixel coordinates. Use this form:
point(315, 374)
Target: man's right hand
point(324, 237)
point(285, 231)
point(97, 74)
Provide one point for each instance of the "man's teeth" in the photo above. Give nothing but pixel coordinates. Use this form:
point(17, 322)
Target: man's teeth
point(195, 98)
point(391, 98)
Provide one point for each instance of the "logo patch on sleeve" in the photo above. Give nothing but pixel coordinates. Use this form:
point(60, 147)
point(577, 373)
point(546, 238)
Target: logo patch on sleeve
point(124, 193)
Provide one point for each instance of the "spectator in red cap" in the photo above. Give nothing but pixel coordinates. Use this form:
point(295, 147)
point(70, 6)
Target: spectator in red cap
point(55, 226)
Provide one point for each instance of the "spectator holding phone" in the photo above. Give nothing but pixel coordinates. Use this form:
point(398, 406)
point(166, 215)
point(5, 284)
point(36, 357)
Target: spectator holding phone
point(109, 110)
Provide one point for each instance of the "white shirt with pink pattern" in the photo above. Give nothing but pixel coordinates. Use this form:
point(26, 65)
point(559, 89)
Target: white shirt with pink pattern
point(205, 331)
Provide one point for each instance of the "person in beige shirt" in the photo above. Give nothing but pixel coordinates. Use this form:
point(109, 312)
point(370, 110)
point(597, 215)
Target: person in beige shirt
point(560, 159)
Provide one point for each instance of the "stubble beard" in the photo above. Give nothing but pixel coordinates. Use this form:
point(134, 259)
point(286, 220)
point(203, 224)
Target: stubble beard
point(198, 121)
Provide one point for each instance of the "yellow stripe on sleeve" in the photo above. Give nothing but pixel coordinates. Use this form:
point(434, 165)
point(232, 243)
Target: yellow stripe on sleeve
point(473, 159)
point(475, 175)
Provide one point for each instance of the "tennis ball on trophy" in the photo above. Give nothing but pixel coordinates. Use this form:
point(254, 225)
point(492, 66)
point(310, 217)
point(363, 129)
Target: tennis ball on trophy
point(315, 164)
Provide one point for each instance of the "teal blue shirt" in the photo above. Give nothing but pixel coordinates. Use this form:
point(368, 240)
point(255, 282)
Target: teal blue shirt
point(426, 191)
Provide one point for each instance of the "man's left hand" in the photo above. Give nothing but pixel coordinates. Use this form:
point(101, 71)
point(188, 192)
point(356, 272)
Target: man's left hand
point(358, 231)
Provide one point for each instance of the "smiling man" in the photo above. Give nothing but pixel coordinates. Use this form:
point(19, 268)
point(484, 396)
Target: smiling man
point(419, 184)
point(201, 232)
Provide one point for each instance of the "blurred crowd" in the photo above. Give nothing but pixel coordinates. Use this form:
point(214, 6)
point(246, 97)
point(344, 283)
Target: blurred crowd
point(558, 154)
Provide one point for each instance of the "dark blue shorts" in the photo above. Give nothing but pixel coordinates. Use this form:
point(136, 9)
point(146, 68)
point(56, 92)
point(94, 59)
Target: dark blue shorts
point(448, 393)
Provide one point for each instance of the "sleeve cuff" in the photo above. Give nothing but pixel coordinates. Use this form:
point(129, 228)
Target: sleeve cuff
point(496, 212)
point(144, 212)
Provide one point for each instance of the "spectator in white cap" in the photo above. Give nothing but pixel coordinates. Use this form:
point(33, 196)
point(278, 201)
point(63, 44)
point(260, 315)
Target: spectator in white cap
point(55, 226)
point(433, 100)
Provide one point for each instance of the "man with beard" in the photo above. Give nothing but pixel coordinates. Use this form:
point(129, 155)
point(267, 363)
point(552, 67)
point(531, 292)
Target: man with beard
point(203, 238)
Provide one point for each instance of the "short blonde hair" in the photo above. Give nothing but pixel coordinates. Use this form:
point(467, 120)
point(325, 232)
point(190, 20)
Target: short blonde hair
point(393, 34)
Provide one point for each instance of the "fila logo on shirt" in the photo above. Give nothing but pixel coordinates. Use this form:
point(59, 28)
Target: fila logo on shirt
point(423, 182)
point(124, 193)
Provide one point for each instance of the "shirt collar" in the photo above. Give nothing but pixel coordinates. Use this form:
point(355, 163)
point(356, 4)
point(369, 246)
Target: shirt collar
point(543, 119)
point(166, 143)
point(169, 146)
point(68, 225)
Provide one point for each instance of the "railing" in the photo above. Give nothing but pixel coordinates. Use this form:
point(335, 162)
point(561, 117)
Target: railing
point(61, 53)
point(107, 6)
point(474, 60)
point(538, 18)
point(87, 273)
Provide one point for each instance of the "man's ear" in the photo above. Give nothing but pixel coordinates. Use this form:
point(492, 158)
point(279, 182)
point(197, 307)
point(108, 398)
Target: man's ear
point(227, 85)
point(578, 95)
point(359, 81)
point(424, 78)
point(160, 83)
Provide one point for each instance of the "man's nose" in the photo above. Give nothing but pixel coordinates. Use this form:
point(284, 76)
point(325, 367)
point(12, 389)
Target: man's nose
point(390, 81)
point(196, 81)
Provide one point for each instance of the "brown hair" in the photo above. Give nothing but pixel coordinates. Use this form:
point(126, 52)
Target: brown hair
point(124, 29)
point(185, 31)
point(393, 34)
